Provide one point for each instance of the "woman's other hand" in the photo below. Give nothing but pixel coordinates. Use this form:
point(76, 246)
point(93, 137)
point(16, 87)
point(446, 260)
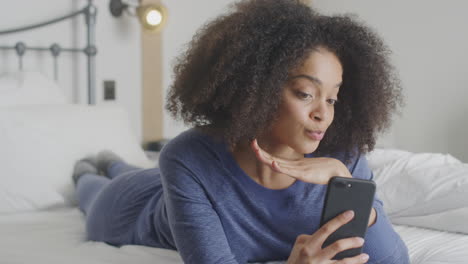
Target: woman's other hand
point(308, 248)
point(312, 170)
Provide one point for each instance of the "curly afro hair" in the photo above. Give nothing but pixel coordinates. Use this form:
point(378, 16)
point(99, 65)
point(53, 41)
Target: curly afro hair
point(232, 74)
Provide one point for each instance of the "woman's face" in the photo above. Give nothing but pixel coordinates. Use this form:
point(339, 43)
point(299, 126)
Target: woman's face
point(307, 107)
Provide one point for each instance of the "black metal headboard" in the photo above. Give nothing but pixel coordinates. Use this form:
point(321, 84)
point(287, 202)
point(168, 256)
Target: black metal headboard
point(90, 12)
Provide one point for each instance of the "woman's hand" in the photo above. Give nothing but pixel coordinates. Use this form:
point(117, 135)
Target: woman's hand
point(312, 170)
point(308, 248)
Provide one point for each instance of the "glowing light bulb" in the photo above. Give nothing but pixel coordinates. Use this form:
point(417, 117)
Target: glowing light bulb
point(154, 17)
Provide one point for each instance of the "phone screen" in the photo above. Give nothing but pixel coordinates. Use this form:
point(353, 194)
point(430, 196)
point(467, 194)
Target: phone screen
point(348, 194)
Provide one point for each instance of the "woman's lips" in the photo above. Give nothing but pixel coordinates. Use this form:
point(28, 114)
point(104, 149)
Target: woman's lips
point(315, 135)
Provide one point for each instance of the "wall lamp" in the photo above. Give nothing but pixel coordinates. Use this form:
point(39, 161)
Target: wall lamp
point(152, 16)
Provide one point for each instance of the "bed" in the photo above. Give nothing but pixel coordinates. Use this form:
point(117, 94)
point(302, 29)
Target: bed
point(40, 223)
point(425, 194)
point(42, 135)
point(57, 236)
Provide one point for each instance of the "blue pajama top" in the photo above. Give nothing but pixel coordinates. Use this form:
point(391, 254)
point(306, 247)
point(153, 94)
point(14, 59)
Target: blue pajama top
point(211, 211)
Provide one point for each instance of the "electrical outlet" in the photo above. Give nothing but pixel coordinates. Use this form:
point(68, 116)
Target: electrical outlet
point(109, 90)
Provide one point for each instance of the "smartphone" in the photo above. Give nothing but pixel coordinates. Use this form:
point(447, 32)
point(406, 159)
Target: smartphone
point(348, 194)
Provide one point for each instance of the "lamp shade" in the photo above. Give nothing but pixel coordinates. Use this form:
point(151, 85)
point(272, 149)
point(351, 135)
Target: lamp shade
point(152, 17)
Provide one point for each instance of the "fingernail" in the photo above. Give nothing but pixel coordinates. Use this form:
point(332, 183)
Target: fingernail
point(364, 257)
point(277, 164)
point(360, 240)
point(349, 214)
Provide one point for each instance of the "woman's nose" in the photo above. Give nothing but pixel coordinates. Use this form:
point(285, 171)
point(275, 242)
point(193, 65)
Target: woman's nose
point(317, 117)
point(320, 112)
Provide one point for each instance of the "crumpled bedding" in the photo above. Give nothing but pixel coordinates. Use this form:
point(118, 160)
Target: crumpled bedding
point(422, 189)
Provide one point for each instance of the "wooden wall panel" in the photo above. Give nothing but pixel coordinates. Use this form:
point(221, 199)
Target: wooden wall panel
point(152, 90)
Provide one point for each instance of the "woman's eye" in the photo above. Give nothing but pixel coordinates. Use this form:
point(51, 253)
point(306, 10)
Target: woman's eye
point(332, 101)
point(303, 96)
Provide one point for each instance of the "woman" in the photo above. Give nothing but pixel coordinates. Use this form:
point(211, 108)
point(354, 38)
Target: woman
point(281, 99)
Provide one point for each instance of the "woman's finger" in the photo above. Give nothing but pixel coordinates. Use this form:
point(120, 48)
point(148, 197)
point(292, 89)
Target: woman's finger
point(268, 161)
point(294, 168)
point(268, 158)
point(331, 226)
point(284, 168)
point(289, 170)
point(361, 258)
point(261, 155)
point(300, 173)
point(277, 164)
point(342, 245)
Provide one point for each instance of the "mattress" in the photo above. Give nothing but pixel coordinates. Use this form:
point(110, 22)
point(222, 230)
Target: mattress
point(58, 236)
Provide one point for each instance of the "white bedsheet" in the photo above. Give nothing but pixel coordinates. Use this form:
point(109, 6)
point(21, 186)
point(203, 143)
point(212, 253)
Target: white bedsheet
point(428, 246)
point(57, 237)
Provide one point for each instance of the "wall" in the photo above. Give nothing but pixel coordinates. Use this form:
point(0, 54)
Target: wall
point(118, 43)
point(185, 17)
point(428, 39)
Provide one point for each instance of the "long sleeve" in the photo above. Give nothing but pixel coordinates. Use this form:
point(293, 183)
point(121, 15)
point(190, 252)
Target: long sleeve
point(197, 230)
point(382, 243)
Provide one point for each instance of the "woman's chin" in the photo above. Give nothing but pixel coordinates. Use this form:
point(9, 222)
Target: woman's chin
point(309, 148)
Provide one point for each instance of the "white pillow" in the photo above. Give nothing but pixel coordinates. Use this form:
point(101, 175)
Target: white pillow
point(40, 144)
point(422, 189)
point(26, 88)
